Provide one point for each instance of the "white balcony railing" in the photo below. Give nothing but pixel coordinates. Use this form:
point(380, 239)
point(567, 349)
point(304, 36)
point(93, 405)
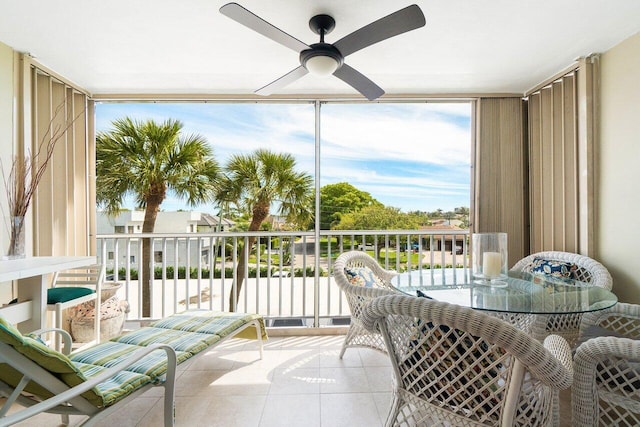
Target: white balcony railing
point(294, 286)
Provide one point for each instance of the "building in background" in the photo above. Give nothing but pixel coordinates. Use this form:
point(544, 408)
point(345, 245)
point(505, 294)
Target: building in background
point(193, 227)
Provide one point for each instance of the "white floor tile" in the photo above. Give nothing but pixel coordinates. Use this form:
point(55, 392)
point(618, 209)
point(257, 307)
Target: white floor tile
point(348, 410)
point(291, 411)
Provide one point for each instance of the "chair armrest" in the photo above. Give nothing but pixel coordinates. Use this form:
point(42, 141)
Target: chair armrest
point(622, 318)
point(595, 350)
point(66, 337)
point(560, 348)
point(103, 376)
point(614, 352)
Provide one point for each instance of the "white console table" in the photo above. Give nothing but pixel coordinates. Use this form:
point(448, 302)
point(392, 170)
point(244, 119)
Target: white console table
point(32, 275)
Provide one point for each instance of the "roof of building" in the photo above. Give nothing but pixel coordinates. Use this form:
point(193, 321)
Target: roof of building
point(207, 220)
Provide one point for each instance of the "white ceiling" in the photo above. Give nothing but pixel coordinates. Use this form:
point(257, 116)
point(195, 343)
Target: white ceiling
point(188, 47)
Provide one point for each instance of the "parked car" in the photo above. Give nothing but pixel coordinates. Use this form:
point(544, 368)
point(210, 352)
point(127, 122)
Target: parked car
point(280, 273)
point(414, 247)
point(365, 248)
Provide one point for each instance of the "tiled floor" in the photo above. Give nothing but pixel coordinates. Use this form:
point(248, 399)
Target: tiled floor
point(299, 382)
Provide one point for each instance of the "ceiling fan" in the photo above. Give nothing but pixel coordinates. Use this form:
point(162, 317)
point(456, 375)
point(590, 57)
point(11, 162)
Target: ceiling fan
point(322, 58)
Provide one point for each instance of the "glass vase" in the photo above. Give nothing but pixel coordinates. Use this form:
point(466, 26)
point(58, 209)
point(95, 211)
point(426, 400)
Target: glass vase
point(489, 258)
point(16, 249)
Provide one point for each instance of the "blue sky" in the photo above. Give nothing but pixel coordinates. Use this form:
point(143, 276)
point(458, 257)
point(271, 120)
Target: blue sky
point(413, 156)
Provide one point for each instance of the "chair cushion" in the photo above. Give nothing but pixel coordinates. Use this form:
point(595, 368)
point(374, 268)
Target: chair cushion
point(363, 276)
point(191, 342)
point(553, 268)
point(218, 323)
point(118, 386)
point(108, 354)
point(67, 293)
point(53, 361)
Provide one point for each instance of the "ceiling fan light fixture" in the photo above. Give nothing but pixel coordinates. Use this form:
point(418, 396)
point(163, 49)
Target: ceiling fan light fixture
point(321, 60)
point(321, 66)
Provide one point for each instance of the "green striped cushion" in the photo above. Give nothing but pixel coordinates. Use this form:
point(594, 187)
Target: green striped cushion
point(53, 361)
point(191, 342)
point(206, 322)
point(111, 353)
point(117, 387)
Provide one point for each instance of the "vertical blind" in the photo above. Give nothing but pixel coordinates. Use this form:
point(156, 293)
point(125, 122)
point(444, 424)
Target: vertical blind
point(500, 178)
point(562, 131)
point(554, 166)
point(62, 219)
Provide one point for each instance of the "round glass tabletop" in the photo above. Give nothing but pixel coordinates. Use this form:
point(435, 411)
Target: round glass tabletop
point(523, 293)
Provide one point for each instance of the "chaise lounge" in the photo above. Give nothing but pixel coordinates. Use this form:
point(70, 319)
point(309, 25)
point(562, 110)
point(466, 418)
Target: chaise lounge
point(94, 381)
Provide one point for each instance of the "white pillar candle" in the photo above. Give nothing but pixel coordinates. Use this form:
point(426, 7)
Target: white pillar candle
point(491, 264)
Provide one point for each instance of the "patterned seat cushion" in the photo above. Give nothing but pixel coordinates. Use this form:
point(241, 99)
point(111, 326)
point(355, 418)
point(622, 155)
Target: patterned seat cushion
point(363, 276)
point(553, 268)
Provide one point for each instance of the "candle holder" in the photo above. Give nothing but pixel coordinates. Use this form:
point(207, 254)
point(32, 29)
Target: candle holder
point(489, 258)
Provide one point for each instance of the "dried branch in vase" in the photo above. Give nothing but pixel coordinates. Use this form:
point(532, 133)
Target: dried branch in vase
point(26, 173)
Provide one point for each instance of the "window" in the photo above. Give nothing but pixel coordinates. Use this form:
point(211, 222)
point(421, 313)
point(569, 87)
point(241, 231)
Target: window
point(110, 256)
point(415, 157)
point(410, 156)
point(157, 256)
point(130, 229)
point(119, 229)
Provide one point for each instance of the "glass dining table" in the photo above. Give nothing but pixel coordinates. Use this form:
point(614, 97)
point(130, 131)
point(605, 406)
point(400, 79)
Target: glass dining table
point(524, 293)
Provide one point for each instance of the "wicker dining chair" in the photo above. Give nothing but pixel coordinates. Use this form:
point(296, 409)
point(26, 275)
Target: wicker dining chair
point(564, 265)
point(455, 366)
point(606, 389)
point(361, 279)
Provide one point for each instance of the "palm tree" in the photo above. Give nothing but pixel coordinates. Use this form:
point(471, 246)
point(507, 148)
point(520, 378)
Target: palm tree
point(256, 182)
point(145, 160)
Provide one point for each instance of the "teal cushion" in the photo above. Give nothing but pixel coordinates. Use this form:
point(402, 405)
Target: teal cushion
point(67, 293)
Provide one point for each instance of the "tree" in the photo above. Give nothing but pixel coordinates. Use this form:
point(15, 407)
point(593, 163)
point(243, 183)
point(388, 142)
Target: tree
point(378, 217)
point(256, 182)
point(339, 199)
point(146, 160)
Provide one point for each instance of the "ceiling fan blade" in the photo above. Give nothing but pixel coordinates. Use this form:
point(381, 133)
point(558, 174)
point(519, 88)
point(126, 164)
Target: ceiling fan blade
point(359, 82)
point(407, 19)
point(250, 20)
point(278, 84)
